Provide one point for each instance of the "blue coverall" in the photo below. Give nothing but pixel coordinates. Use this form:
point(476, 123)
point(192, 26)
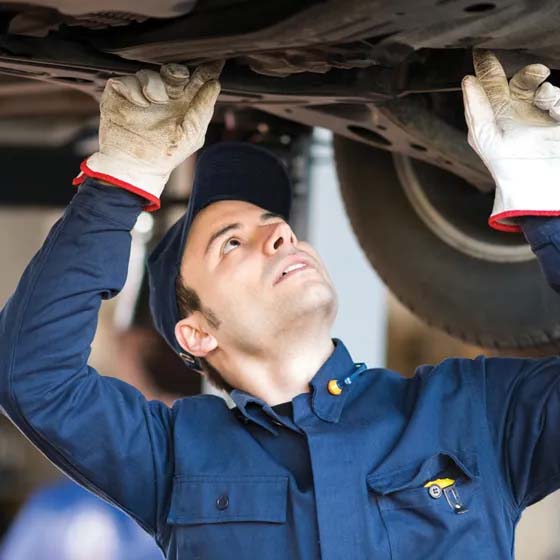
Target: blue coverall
point(340, 477)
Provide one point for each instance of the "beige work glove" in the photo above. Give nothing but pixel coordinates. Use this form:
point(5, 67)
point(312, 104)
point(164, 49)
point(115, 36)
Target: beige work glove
point(514, 129)
point(149, 124)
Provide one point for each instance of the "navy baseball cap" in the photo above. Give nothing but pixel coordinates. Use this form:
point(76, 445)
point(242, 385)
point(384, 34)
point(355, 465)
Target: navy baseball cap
point(224, 171)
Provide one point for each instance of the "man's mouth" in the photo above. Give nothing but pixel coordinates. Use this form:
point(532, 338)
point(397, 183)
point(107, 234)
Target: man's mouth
point(291, 270)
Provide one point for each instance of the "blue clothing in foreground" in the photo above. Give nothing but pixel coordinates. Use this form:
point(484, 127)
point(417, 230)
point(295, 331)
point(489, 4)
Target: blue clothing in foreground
point(64, 522)
point(343, 477)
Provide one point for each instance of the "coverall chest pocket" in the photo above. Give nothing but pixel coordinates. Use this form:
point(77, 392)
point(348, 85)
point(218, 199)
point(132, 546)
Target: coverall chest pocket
point(228, 517)
point(431, 509)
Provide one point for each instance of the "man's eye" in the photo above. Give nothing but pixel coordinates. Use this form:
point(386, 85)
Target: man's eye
point(228, 243)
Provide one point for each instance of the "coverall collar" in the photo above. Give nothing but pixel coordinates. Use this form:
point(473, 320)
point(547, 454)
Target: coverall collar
point(326, 406)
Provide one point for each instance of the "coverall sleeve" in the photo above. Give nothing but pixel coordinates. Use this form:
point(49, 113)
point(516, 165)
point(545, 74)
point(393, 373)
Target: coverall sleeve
point(522, 395)
point(99, 430)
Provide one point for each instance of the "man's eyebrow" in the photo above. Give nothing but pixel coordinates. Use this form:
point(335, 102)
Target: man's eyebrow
point(222, 231)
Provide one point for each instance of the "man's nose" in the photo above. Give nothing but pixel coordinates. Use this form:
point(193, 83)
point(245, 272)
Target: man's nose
point(280, 234)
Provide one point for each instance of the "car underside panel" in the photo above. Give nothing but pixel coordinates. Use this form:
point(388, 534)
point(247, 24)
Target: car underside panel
point(99, 13)
point(386, 73)
point(290, 36)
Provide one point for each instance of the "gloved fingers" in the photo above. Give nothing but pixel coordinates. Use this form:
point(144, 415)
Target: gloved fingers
point(175, 77)
point(492, 77)
point(202, 74)
point(554, 112)
point(129, 87)
point(525, 82)
point(547, 98)
point(201, 109)
point(153, 87)
point(479, 113)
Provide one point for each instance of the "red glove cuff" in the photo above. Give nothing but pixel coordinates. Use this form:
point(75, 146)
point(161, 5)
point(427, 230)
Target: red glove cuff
point(85, 171)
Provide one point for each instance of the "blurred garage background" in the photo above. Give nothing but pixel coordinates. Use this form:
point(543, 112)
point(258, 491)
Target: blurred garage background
point(38, 161)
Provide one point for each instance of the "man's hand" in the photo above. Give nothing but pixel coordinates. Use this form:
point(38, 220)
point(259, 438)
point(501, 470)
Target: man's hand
point(149, 124)
point(514, 128)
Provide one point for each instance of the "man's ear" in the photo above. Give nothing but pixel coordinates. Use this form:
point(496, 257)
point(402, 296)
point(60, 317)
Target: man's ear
point(192, 336)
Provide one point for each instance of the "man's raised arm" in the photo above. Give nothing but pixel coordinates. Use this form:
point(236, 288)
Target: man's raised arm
point(99, 430)
point(514, 127)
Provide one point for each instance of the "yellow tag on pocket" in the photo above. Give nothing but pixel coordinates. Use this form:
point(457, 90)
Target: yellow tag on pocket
point(441, 482)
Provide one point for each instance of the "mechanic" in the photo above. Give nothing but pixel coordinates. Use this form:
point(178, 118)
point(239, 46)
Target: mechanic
point(322, 457)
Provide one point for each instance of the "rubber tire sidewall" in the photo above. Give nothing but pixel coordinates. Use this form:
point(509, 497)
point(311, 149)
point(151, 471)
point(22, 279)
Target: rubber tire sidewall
point(498, 305)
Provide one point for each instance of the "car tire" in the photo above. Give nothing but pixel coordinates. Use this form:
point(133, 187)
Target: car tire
point(481, 286)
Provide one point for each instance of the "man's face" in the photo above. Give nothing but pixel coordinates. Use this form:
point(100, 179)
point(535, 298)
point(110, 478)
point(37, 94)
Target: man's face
point(234, 258)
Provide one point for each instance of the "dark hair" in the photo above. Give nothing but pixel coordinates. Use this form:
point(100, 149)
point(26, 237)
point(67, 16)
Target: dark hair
point(188, 302)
